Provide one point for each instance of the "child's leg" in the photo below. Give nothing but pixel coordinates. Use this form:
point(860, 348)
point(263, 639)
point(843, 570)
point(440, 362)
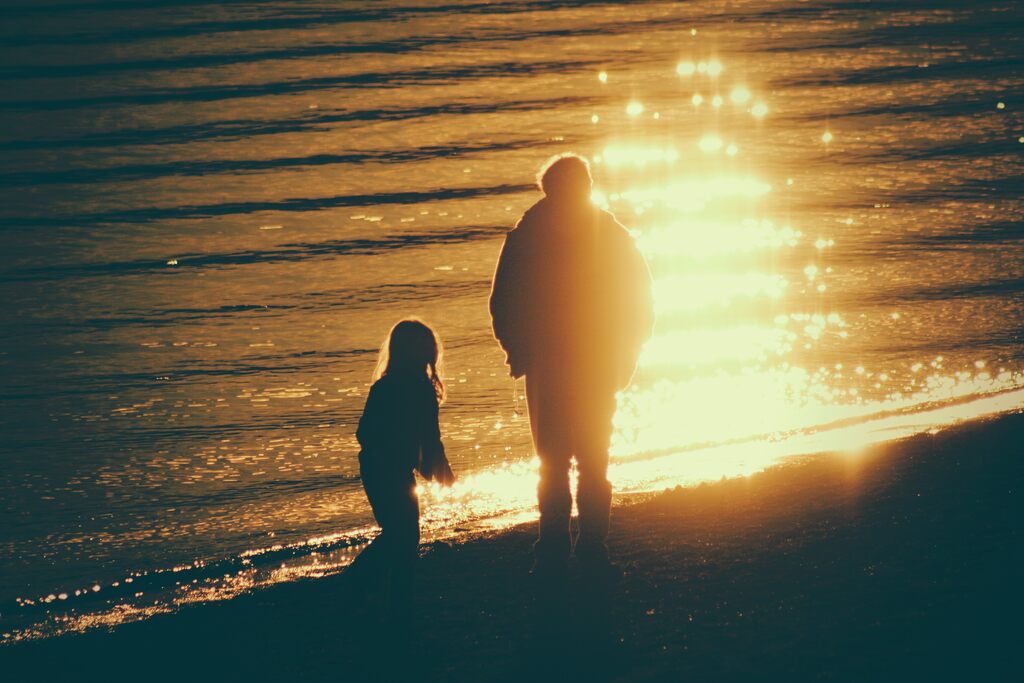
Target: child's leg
point(403, 530)
point(393, 553)
point(389, 500)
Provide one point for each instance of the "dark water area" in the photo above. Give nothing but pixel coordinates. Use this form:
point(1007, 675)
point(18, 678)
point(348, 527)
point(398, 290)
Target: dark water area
point(212, 213)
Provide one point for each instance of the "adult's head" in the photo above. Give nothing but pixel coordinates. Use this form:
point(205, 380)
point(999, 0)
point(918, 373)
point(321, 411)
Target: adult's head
point(565, 177)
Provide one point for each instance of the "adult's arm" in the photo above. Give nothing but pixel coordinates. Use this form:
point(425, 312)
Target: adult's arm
point(636, 282)
point(638, 306)
point(506, 303)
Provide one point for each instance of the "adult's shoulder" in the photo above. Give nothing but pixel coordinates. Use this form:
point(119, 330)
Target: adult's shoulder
point(531, 217)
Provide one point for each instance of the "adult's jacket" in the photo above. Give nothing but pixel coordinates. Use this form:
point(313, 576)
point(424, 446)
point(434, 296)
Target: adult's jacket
point(571, 292)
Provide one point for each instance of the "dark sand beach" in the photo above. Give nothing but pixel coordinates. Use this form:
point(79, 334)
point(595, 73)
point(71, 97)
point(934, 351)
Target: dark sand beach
point(900, 562)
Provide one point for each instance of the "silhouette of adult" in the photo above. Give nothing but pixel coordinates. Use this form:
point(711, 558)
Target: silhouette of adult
point(571, 306)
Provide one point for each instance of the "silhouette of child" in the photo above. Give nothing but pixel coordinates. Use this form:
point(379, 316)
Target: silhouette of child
point(399, 434)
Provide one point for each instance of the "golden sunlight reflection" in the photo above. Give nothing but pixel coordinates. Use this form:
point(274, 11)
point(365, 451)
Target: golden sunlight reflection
point(636, 155)
point(731, 430)
point(721, 389)
point(709, 237)
point(697, 291)
point(714, 347)
point(694, 194)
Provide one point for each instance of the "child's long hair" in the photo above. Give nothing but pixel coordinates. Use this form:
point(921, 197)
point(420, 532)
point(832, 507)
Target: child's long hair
point(412, 347)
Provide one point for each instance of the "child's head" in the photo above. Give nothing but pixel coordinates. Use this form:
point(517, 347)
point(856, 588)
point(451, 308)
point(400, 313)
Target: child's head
point(412, 348)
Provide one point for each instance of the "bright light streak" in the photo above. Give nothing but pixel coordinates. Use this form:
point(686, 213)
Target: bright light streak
point(712, 238)
point(697, 194)
point(702, 291)
point(638, 156)
point(697, 348)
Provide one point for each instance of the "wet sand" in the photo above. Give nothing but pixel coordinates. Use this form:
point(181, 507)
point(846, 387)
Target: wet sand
point(899, 562)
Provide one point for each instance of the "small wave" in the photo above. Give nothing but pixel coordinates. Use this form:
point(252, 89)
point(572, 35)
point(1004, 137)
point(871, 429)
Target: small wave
point(146, 215)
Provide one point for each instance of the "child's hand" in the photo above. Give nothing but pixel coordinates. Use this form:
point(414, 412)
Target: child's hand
point(443, 474)
point(434, 466)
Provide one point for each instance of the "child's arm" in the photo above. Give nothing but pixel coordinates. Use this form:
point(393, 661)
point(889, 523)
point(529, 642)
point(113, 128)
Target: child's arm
point(369, 422)
point(434, 463)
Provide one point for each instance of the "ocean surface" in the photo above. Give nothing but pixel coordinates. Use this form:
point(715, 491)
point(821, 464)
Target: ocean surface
point(212, 212)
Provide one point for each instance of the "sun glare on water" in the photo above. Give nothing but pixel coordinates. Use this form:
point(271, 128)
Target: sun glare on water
point(723, 388)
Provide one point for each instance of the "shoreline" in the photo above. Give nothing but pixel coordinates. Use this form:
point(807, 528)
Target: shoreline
point(327, 554)
point(901, 560)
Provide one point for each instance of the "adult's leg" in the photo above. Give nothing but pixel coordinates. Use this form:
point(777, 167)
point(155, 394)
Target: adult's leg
point(552, 438)
point(595, 409)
